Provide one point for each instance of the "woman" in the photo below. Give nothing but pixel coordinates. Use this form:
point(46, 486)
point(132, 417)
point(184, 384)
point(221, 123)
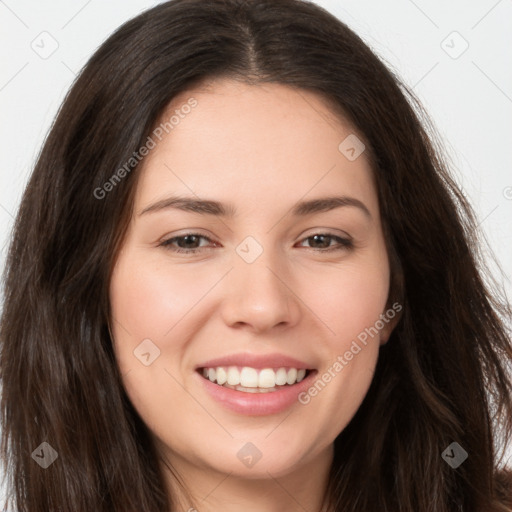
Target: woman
point(241, 277)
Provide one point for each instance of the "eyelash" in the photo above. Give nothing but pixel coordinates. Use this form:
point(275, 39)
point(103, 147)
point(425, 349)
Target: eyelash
point(344, 243)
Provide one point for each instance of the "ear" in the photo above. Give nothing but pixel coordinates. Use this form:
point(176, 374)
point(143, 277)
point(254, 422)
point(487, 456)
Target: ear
point(391, 317)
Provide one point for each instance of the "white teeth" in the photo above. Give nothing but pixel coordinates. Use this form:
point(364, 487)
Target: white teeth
point(267, 378)
point(251, 390)
point(253, 380)
point(281, 376)
point(248, 377)
point(233, 376)
point(292, 376)
point(222, 376)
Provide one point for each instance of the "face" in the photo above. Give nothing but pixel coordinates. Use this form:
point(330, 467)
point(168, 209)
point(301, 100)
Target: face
point(278, 295)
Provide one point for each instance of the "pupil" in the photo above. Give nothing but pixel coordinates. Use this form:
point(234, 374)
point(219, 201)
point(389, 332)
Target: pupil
point(186, 240)
point(324, 237)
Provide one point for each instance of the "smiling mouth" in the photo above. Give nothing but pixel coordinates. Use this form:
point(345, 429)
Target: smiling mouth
point(252, 380)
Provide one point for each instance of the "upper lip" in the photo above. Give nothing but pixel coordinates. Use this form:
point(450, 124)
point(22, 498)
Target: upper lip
point(256, 361)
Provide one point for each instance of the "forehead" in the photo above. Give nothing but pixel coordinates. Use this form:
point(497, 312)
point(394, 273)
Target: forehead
point(243, 143)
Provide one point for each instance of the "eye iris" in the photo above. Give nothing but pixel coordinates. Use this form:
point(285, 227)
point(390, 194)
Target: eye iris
point(191, 241)
point(321, 238)
point(184, 241)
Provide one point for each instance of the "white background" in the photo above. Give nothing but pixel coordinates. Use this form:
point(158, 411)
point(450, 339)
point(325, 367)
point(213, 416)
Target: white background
point(469, 97)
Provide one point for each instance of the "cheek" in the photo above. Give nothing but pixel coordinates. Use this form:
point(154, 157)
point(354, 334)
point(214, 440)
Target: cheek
point(349, 299)
point(148, 301)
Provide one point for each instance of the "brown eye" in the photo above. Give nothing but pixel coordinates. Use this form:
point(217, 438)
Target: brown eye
point(190, 243)
point(187, 243)
point(322, 242)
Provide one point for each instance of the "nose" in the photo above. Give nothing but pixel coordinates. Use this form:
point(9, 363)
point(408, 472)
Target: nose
point(259, 296)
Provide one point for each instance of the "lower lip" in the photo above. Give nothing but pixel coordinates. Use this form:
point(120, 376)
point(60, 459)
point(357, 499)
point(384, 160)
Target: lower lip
point(257, 404)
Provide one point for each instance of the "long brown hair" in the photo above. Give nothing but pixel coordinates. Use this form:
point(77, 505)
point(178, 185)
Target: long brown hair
point(441, 378)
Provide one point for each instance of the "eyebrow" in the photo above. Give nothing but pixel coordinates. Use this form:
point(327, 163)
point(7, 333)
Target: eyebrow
point(210, 207)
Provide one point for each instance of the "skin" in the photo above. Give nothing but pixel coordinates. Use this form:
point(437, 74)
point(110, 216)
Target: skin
point(263, 149)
